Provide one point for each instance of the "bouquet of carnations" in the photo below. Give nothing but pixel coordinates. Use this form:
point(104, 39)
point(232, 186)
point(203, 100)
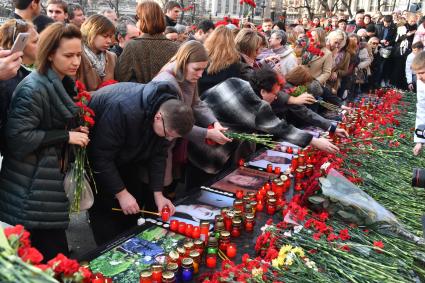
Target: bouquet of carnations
point(307, 49)
point(20, 262)
point(78, 178)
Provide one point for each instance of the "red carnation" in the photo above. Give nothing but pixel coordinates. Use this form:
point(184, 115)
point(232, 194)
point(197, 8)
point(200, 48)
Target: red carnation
point(89, 120)
point(80, 86)
point(343, 235)
point(379, 246)
point(345, 248)
point(29, 254)
point(245, 258)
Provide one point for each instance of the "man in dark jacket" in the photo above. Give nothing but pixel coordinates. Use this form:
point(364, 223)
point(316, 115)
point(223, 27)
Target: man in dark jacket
point(172, 13)
point(134, 124)
point(246, 107)
point(386, 32)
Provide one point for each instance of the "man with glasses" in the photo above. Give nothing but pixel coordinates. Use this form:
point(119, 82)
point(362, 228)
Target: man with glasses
point(134, 124)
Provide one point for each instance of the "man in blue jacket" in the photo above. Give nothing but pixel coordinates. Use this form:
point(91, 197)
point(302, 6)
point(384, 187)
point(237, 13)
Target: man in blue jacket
point(134, 124)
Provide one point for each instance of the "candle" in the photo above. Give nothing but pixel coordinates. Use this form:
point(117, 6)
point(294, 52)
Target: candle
point(260, 205)
point(298, 187)
point(187, 269)
point(165, 213)
point(239, 194)
point(189, 230)
point(241, 162)
point(249, 222)
point(269, 168)
point(174, 225)
point(289, 150)
point(145, 277)
point(231, 250)
point(182, 227)
point(196, 233)
point(277, 170)
point(271, 206)
point(205, 229)
point(156, 273)
point(211, 260)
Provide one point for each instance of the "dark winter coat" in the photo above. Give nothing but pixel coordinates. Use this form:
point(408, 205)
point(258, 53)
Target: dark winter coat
point(208, 81)
point(7, 88)
point(143, 58)
point(31, 179)
point(123, 133)
point(391, 35)
point(237, 107)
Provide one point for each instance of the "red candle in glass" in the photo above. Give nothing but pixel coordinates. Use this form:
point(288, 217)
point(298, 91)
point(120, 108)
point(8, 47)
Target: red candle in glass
point(241, 162)
point(277, 170)
point(271, 206)
point(165, 213)
point(231, 250)
point(156, 276)
point(189, 230)
point(239, 194)
point(228, 222)
point(211, 260)
point(301, 159)
point(259, 195)
point(260, 205)
point(174, 225)
point(98, 280)
point(267, 186)
point(109, 280)
point(182, 228)
point(269, 168)
point(289, 150)
point(196, 233)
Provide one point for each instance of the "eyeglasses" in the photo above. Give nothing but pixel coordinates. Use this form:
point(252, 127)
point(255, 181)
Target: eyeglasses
point(15, 28)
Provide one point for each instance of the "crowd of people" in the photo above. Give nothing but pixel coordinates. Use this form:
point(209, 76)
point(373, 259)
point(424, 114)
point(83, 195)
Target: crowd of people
point(177, 90)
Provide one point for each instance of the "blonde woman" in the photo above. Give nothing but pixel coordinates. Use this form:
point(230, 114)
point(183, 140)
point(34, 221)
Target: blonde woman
point(97, 63)
point(224, 59)
point(183, 72)
point(248, 43)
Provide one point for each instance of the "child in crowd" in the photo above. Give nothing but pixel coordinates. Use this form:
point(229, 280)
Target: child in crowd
point(417, 47)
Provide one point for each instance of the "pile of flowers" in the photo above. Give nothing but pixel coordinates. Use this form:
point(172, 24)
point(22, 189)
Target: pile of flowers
point(306, 243)
point(307, 49)
point(20, 262)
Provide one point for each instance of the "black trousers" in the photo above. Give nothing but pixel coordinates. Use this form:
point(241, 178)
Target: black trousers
point(49, 242)
point(107, 224)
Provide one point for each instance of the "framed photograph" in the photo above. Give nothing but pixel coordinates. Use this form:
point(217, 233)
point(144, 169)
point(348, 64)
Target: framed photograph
point(243, 178)
point(276, 158)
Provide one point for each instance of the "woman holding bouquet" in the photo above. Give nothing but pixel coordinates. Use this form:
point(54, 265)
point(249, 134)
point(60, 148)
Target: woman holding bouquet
point(37, 136)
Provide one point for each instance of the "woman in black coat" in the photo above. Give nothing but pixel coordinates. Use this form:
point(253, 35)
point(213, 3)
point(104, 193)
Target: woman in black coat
point(8, 33)
point(37, 134)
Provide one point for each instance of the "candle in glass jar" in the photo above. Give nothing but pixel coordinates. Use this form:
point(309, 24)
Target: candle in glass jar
point(260, 205)
point(301, 159)
point(165, 213)
point(196, 233)
point(231, 250)
point(145, 277)
point(269, 168)
point(277, 170)
point(249, 222)
point(156, 273)
point(182, 228)
point(271, 206)
point(211, 260)
point(189, 230)
point(174, 225)
point(205, 228)
point(289, 150)
point(239, 194)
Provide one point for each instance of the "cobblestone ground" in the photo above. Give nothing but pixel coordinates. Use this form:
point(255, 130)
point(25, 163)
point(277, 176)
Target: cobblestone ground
point(80, 235)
